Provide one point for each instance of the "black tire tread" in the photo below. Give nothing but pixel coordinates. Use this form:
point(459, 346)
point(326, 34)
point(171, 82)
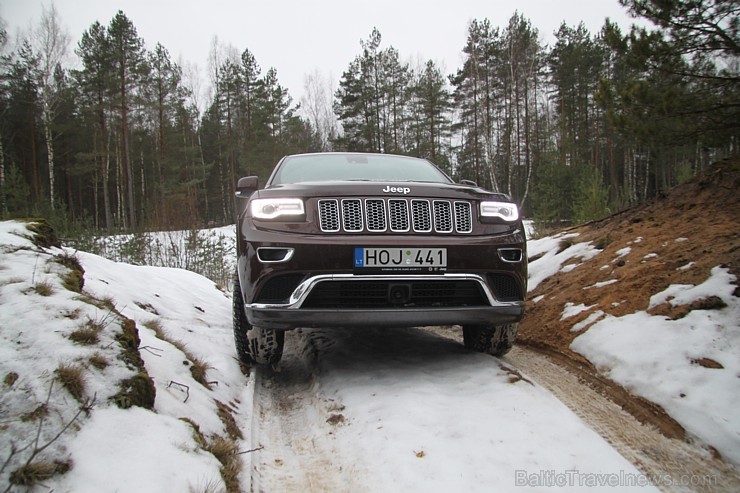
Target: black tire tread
point(496, 340)
point(241, 325)
point(254, 345)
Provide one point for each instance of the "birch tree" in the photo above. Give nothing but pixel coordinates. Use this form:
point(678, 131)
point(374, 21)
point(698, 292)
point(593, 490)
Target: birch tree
point(316, 107)
point(51, 43)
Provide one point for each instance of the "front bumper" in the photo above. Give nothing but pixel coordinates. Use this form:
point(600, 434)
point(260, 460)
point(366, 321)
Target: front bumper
point(286, 318)
point(292, 313)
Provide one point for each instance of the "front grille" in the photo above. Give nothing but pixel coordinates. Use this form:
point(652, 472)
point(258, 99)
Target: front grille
point(377, 215)
point(376, 294)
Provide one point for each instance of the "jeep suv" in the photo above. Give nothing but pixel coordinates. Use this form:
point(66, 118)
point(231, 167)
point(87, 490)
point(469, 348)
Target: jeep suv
point(374, 240)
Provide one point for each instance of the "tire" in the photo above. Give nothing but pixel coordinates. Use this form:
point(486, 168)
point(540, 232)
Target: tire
point(241, 325)
point(495, 340)
point(254, 345)
point(266, 345)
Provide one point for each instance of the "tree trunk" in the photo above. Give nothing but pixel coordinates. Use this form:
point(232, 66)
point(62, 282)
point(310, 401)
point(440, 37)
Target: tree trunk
point(46, 119)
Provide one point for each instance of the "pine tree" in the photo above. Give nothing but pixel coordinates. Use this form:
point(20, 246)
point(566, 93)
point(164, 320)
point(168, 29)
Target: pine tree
point(129, 62)
point(431, 121)
point(21, 116)
point(95, 83)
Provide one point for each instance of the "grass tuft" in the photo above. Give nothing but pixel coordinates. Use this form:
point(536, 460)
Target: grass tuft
point(226, 415)
point(38, 472)
point(198, 369)
point(107, 303)
point(565, 244)
point(136, 391)
point(43, 288)
point(44, 235)
point(98, 361)
point(603, 242)
point(74, 278)
point(87, 335)
point(72, 378)
point(225, 450)
point(156, 326)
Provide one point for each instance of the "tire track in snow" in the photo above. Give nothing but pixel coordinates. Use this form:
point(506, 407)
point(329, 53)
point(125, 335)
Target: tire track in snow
point(654, 454)
point(293, 454)
point(661, 458)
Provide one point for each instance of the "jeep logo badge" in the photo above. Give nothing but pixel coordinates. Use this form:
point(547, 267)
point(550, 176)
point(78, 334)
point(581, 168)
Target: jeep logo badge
point(404, 190)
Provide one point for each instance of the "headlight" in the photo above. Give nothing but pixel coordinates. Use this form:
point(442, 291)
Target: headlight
point(502, 210)
point(274, 208)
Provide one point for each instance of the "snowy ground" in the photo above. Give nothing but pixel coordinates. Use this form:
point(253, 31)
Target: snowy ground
point(690, 365)
point(400, 411)
point(408, 410)
point(112, 449)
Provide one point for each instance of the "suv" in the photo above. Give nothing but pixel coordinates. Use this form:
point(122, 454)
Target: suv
point(374, 240)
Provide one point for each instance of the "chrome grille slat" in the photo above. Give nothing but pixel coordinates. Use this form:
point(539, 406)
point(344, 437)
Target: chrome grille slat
point(442, 216)
point(398, 210)
point(399, 215)
point(422, 214)
point(352, 215)
point(463, 217)
point(329, 215)
point(375, 215)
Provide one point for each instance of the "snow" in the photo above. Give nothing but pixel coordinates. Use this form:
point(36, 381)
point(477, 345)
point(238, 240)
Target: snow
point(602, 284)
point(109, 448)
point(158, 453)
point(571, 310)
point(665, 369)
point(592, 317)
point(435, 417)
point(422, 413)
point(624, 251)
point(549, 261)
point(659, 358)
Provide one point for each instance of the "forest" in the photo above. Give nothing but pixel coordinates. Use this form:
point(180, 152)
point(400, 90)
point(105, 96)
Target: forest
point(574, 131)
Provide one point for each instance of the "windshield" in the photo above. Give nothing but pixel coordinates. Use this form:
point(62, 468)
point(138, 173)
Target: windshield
point(349, 167)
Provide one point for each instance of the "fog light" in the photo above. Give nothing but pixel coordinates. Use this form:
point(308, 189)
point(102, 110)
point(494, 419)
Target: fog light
point(271, 255)
point(510, 255)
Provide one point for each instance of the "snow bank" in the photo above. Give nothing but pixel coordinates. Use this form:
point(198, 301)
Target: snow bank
point(548, 260)
point(112, 449)
point(667, 368)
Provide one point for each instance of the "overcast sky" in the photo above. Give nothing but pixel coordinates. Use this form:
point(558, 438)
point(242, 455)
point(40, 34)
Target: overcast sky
point(298, 37)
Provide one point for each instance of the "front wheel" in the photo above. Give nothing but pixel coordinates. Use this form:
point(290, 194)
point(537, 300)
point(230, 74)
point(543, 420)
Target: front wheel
point(496, 340)
point(254, 345)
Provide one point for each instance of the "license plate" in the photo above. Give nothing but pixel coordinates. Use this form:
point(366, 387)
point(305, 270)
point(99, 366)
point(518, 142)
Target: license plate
point(400, 258)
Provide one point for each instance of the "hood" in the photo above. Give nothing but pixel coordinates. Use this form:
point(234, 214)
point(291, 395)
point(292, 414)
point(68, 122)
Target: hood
point(339, 189)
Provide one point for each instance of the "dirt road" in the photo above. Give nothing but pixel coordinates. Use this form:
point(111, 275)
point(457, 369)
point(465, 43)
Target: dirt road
point(373, 410)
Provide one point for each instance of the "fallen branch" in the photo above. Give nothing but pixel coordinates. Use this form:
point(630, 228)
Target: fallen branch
point(250, 451)
point(181, 385)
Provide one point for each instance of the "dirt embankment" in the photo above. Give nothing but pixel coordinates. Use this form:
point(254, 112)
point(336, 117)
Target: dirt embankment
point(676, 239)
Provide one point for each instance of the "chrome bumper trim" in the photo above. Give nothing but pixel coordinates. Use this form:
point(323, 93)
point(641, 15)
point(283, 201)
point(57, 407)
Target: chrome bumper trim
point(304, 289)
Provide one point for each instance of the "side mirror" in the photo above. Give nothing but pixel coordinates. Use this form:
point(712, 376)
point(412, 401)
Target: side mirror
point(246, 186)
point(469, 183)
